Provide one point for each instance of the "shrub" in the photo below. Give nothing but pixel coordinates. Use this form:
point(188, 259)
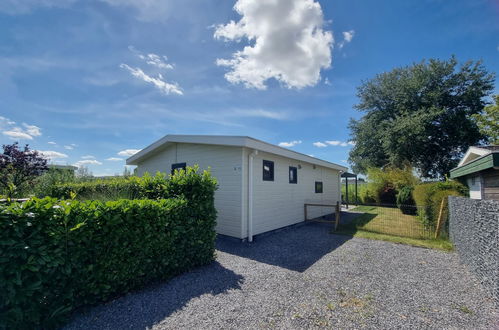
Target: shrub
point(56, 256)
point(428, 197)
point(405, 202)
point(384, 184)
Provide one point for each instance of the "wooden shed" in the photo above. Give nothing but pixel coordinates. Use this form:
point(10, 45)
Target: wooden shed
point(479, 169)
point(262, 186)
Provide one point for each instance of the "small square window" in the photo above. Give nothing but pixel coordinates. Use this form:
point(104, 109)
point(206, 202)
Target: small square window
point(293, 174)
point(268, 170)
point(318, 187)
point(178, 166)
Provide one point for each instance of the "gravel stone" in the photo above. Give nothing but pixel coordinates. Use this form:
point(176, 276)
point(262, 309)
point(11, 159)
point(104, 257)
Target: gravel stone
point(304, 277)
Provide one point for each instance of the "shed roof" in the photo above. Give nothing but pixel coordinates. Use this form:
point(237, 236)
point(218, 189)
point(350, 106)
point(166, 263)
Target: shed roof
point(224, 140)
point(477, 159)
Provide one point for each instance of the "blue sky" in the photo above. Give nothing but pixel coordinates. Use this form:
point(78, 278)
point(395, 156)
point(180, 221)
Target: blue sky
point(87, 82)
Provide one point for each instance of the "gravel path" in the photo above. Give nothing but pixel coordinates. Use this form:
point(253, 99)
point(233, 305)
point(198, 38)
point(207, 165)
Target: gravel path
point(303, 277)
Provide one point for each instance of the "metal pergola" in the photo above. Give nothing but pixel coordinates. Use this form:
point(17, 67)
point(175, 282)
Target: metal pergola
point(347, 175)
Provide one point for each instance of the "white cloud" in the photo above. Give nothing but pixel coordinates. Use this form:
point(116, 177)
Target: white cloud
point(285, 42)
point(50, 154)
point(128, 152)
point(88, 157)
point(18, 134)
point(52, 143)
point(340, 143)
point(259, 113)
point(68, 147)
point(81, 163)
point(352, 143)
point(158, 82)
point(114, 159)
point(347, 38)
point(319, 144)
point(289, 144)
point(32, 130)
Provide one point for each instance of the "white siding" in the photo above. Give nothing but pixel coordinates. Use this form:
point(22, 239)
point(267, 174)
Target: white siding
point(278, 203)
point(475, 185)
point(226, 166)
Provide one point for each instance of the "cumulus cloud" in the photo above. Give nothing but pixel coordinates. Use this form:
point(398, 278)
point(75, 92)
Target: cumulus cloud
point(158, 82)
point(319, 144)
point(81, 163)
point(51, 155)
point(32, 130)
point(286, 41)
point(289, 144)
point(347, 38)
point(26, 132)
point(114, 159)
point(17, 133)
point(88, 157)
point(128, 152)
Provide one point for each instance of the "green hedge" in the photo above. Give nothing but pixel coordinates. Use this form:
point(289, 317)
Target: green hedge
point(56, 256)
point(428, 198)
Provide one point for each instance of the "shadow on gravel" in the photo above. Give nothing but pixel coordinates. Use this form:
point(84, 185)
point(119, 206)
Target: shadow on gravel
point(295, 248)
point(143, 309)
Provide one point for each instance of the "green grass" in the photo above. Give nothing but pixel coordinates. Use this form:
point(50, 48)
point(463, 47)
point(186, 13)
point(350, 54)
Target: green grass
point(390, 224)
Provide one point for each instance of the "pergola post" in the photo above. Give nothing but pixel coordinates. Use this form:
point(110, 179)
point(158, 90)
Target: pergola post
point(356, 192)
point(346, 189)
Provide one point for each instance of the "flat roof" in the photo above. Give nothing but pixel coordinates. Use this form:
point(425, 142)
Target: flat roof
point(229, 140)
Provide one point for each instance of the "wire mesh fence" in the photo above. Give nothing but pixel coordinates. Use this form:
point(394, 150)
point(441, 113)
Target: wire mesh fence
point(404, 221)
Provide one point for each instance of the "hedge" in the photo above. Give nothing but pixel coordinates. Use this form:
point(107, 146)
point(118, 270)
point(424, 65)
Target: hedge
point(56, 256)
point(428, 198)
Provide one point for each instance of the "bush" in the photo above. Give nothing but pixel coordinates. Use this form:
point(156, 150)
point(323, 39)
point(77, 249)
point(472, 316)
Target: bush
point(59, 255)
point(428, 197)
point(384, 184)
point(405, 202)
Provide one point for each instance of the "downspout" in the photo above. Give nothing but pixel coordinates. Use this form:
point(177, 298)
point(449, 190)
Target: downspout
point(250, 194)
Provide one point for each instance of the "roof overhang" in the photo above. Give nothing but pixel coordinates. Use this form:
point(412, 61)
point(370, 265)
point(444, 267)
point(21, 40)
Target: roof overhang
point(488, 161)
point(234, 141)
point(473, 153)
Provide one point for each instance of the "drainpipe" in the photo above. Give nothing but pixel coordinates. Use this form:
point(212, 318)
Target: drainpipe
point(250, 195)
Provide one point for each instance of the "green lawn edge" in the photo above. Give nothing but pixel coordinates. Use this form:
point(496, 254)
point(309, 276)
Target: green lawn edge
point(438, 244)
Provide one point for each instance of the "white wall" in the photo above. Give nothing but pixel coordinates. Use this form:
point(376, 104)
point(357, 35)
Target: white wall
point(475, 185)
point(226, 167)
point(279, 203)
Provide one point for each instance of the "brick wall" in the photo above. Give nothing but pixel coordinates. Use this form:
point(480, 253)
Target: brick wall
point(474, 230)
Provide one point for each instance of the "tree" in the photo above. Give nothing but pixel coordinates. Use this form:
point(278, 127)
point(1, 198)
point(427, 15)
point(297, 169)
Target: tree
point(420, 114)
point(488, 121)
point(19, 168)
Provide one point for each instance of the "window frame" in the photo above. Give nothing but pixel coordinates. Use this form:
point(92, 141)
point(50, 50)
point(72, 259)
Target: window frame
point(178, 166)
point(270, 164)
point(317, 185)
point(294, 170)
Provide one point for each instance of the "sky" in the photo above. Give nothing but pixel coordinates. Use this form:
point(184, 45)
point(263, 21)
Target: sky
point(90, 82)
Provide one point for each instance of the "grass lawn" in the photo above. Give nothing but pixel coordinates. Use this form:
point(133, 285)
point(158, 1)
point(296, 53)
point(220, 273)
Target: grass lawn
point(390, 224)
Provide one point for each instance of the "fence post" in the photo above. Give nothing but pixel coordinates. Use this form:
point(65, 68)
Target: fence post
point(439, 222)
point(337, 214)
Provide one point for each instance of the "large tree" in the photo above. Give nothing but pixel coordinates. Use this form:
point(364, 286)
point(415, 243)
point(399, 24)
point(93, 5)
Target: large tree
point(19, 168)
point(488, 121)
point(420, 114)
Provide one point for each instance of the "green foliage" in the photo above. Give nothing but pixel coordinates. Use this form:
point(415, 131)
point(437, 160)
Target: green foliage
point(361, 192)
point(488, 121)
point(383, 184)
point(405, 202)
point(52, 177)
point(56, 256)
point(419, 114)
point(428, 197)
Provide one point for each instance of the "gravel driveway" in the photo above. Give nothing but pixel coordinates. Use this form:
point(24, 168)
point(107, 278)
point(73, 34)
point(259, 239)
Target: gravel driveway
point(303, 277)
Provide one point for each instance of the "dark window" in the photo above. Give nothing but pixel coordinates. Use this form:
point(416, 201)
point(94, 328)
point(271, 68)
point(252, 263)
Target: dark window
point(268, 170)
point(178, 166)
point(318, 187)
point(293, 174)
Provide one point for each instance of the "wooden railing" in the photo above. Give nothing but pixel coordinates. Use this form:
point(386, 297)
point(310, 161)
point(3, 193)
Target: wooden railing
point(337, 213)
